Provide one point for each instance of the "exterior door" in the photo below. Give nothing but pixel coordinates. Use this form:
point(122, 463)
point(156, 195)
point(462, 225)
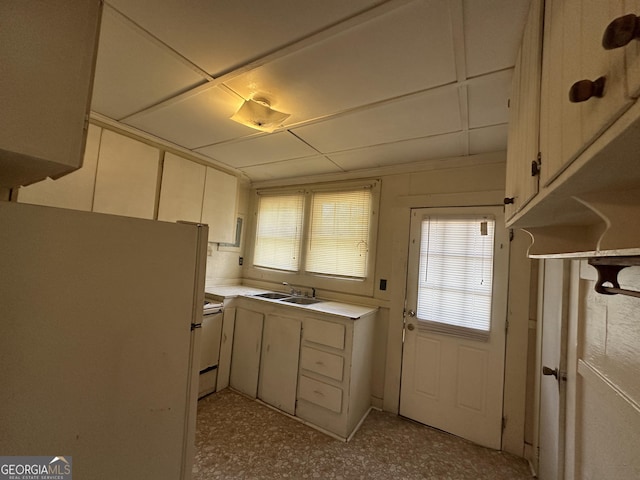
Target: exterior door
point(555, 293)
point(454, 345)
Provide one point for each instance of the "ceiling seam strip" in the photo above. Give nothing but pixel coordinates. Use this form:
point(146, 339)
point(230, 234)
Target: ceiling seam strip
point(315, 38)
point(159, 43)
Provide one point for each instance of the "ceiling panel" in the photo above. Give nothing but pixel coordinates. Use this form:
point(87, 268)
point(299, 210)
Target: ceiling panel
point(291, 169)
point(221, 35)
point(493, 32)
point(440, 146)
point(488, 98)
point(406, 50)
point(430, 113)
point(133, 71)
point(195, 121)
point(259, 150)
point(488, 139)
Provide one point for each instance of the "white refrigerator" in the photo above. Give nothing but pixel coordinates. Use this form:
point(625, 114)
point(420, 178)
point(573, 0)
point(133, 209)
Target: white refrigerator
point(99, 339)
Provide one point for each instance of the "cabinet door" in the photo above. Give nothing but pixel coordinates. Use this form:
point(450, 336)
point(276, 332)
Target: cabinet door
point(573, 52)
point(245, 358)
point(73, 191)
point(48, 52)
point(181, 190)
point(219, 205)
point(279, 366)
point(599, 113)
point(632, 53)
point(524, 115)
point(127, 177)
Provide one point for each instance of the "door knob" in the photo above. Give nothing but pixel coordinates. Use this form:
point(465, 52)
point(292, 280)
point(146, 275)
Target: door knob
point(621, 31)
point(509, 200)
point(555, 372)
point(410, 327)
point(583, 90)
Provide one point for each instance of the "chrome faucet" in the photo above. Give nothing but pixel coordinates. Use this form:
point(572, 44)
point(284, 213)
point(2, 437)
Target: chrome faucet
point(298, 290)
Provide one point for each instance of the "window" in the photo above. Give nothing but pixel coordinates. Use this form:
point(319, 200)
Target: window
point(329, 236)
point(339, 233)
point(279, 231)
point(456, 274)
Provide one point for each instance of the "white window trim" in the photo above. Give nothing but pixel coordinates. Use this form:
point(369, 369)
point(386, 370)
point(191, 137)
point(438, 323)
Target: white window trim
point(364, 287)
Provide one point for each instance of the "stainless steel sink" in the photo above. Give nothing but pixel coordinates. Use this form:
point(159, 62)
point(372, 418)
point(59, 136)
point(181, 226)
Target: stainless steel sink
point(272, 295)
point(301, 300)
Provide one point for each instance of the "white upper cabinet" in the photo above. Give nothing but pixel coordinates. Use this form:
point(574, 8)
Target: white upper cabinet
point(524, 116)
point(48, 52)
point(632, 52)
point(73, 191)
point(584, 86)
point(182, 189)
point(127, 177)
point(219, 205)
point(588, 194)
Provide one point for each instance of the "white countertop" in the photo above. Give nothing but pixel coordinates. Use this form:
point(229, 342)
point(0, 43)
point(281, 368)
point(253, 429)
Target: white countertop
point(333, 308)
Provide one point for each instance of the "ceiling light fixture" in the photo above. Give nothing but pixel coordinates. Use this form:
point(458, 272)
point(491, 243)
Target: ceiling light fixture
point(257, 113)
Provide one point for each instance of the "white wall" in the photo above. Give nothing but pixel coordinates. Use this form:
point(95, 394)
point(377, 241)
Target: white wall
point(603, 400)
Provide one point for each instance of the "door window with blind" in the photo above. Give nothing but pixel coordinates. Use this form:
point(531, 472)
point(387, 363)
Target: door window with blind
point(455, 282)
point(322, 232)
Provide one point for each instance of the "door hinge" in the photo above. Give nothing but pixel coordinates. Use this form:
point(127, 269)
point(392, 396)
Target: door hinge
point(504, 423)
point(511, 234)
point(535, 165)
point(506, 327)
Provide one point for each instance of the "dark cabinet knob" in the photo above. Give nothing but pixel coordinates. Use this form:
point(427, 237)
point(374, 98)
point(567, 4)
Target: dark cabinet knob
point(583, 90)
point(508, 200)
point(621, 31)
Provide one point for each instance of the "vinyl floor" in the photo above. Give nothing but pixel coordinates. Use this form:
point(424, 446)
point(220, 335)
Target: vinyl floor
point(238, 438)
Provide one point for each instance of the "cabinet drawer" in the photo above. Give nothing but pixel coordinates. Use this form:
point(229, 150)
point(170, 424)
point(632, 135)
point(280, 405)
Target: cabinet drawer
point(320, 394)
point(324, 363)
point(324, 333)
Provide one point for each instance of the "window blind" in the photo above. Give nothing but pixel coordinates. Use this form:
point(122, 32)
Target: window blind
point(279, 231)
point(456, 274)
point(339, 233)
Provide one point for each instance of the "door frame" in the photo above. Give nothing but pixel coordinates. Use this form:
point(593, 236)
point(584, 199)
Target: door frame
point(518, 308)
point(499, 296)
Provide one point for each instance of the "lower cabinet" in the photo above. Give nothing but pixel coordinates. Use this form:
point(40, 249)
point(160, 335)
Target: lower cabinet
point(334, 386)
point(309, 364)
point(279, 363)
point(245, 359)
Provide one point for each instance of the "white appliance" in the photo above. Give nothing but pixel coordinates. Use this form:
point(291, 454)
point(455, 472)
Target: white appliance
point(99, 339)
point(210, 347)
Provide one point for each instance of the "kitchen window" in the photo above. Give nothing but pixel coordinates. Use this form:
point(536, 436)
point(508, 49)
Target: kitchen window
point(279, 231)
point(322, 231)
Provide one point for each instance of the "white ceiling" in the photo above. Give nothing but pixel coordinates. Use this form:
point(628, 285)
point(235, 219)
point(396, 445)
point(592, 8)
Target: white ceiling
point(368, 83)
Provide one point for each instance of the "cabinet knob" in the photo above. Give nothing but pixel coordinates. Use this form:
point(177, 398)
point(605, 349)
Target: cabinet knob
point(621, 31)
point(583, 90)
point(509, 200)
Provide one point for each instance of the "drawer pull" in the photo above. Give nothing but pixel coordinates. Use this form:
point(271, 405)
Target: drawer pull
point(320, 363)
point(621, 31)
point(509, 200)
point(583, 90)
point(318, 392)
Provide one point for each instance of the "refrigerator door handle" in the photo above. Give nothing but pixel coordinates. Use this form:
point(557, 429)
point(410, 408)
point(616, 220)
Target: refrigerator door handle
point(195, 325)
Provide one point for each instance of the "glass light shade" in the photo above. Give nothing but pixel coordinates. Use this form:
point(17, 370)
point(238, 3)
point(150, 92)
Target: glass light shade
point(259, 115)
